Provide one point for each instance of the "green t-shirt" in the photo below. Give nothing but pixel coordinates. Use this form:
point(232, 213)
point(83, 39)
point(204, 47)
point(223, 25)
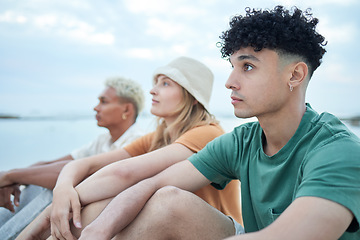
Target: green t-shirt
point(322, 159)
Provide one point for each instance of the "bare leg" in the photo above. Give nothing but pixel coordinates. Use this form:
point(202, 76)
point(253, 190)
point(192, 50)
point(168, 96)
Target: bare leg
point(172, 213)
point(39, 228)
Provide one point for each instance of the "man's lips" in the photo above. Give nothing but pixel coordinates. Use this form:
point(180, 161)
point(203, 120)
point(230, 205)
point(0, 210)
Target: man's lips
point(235, 100)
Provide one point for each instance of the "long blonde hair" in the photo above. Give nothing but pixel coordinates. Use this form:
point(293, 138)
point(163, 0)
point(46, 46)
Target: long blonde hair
point(191, 114)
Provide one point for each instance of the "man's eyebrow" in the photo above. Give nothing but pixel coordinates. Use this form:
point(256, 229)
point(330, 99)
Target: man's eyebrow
point(249, 56)
point(244, 57)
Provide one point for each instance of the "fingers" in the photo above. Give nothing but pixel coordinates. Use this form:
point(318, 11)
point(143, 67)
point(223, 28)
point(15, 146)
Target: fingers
point(61, 215)
point(60, 228)
point(16, 193)
point(5, 197)
point(63, 232)
point(8, 205)
point(76, 214)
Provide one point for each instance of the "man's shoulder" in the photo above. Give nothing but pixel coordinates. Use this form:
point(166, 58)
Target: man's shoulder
point(247, 130)
point(330, 128)
point(243, 134)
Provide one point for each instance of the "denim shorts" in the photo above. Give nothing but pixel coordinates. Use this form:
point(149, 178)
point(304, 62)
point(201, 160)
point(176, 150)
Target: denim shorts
point(238, 228)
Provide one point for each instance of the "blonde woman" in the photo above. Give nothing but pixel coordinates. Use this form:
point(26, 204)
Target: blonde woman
point(181, 95)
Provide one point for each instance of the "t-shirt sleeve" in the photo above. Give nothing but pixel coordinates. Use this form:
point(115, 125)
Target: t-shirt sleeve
point(140, 146)
point(195, 139)
point(215, 161)
point(86, 150)
point(332, 172)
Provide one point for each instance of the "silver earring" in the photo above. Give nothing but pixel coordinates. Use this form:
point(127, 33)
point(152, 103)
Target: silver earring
point(291, 87)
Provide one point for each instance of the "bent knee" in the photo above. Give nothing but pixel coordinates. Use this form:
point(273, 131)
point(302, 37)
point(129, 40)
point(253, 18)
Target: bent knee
point(172, 201)
point(170, 193)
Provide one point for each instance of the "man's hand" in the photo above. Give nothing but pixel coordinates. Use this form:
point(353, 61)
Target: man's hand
point(5, 197)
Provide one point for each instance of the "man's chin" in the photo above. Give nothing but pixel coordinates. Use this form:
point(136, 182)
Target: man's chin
point(239, 114)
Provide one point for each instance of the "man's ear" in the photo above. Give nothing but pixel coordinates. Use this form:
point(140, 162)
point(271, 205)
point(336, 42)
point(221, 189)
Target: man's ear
point(299, 74)
point(128, 109)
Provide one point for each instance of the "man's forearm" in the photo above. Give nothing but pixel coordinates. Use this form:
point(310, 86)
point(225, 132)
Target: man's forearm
point(40, 175)
point(127, 204)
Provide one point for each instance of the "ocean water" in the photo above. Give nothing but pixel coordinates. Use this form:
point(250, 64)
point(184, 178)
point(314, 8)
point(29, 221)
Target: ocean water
point(29, 140)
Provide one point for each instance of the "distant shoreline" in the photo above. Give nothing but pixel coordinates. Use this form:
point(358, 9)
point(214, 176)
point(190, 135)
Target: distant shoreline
point(354, 121)
point(9, 116)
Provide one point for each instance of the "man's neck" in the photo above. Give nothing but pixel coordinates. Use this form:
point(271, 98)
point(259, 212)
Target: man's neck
point(118, 131)
point(279, 129)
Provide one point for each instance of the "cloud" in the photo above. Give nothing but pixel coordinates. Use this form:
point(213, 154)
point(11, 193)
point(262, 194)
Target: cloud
point(12, 17)
point(142, 53)
point(84, 32)
point(339, 33)
point(157, 53)
point(333, 72)
point(165, 30)
point(317, 2)
point(63, 25)
point(141, 6)
point(164, 7)
point(45, 21)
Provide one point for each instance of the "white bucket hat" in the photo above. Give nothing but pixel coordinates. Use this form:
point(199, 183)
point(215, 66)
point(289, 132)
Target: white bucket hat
point(192, 75)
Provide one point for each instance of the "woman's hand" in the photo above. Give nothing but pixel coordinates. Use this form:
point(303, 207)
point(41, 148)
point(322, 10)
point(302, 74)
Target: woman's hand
point(66, 205)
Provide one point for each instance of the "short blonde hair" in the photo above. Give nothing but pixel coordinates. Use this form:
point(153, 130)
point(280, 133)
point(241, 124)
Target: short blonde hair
point(128, 89)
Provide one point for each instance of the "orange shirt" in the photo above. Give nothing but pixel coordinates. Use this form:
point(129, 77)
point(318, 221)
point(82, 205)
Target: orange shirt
point(226, 200)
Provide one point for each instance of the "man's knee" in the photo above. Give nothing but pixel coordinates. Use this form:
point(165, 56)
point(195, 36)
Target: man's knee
point(159, 217)
point(171, 202)
point(169, 192)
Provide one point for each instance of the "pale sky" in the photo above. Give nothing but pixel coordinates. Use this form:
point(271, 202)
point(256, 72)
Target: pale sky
point(55, 55)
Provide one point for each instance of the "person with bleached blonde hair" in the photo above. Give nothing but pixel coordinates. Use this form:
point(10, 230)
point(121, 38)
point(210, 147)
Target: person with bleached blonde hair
point(119, 106)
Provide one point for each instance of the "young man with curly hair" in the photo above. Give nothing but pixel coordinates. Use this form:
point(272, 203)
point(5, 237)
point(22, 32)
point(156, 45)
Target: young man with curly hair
point(299, 170)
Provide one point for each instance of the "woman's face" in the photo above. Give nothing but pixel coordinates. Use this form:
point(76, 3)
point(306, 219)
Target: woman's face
point(167, 95)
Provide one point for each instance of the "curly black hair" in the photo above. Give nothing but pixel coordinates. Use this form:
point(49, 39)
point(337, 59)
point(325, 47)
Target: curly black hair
point(278, 30)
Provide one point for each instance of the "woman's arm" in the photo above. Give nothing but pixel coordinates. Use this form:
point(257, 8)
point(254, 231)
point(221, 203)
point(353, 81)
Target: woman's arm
point(116, 177)
point(76, 171)
point(111, 180)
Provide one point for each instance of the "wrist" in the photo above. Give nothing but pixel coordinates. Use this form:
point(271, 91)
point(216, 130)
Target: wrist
point(6, 178)
point(94, 230)
point(62, 187)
